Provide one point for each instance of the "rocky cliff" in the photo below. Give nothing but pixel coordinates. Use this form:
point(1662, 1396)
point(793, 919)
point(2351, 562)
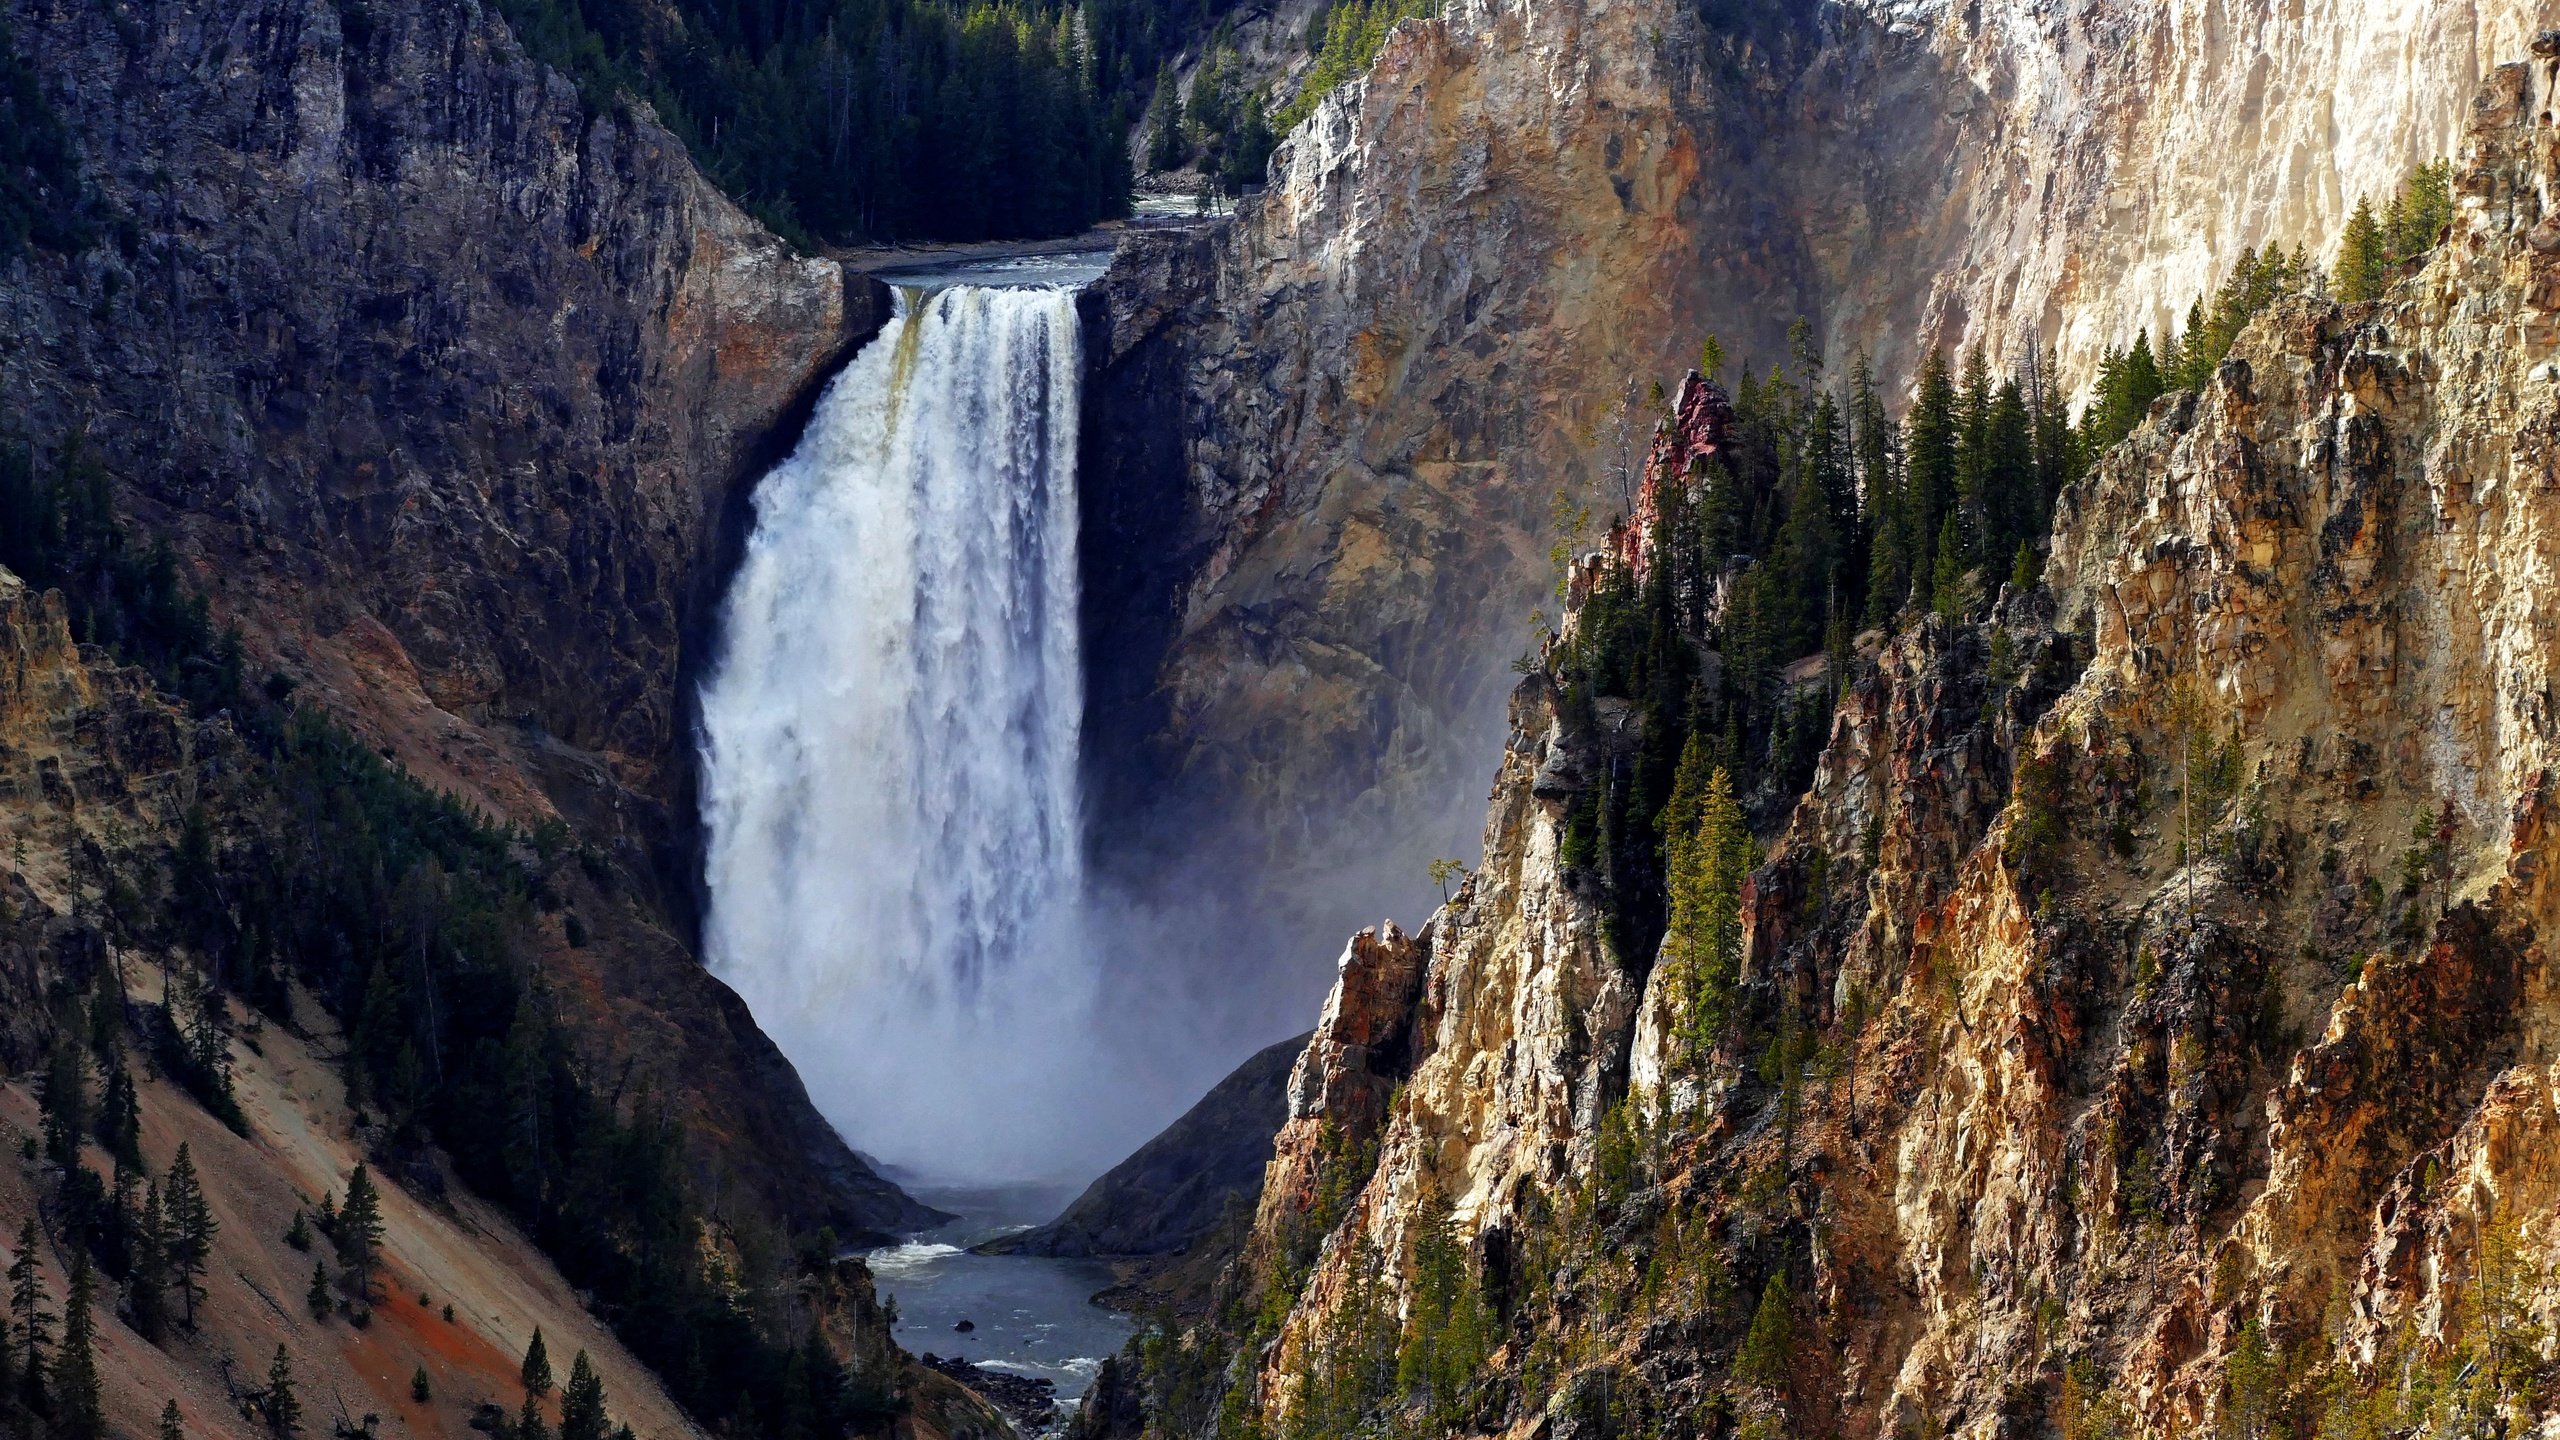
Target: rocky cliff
point(446, 383)
point(1471, 264)
point(447, 390)
point(2143, 1024)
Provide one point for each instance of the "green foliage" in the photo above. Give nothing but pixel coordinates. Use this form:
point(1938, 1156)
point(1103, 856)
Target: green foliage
point(41, 195)
point(191, 1229)
point(1449, 1327)
point(2257, 281)
point(1711, 852)
point(276, 1403)
point(30, 1323)
point(2128, 381)
point(2371, 247)
point(64, 1105)
point(171, 1426)
point(1983, 461)
point(1768, 1349)
point(1353, 32)
point(582, 1412)
point(412, 919)
point(146, 1291)
point(58, 530)
point(74, 1392)
point(1347, 1369)
point(846, 120)
point(2252, 1387)
point(358, 1238)
point(535, 1373)
point(1227, 131)
point(421, 1389)
point(2036, 835)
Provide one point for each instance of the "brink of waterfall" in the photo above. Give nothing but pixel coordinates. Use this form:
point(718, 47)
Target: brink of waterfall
point(890, 746)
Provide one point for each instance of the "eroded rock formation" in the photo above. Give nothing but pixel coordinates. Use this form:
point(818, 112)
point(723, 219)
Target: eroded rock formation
point(2149, 1010)
point(1469, 261)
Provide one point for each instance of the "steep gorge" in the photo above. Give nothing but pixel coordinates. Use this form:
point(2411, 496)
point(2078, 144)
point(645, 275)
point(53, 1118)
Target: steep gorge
point(2143, 1020)
point(1470, 264)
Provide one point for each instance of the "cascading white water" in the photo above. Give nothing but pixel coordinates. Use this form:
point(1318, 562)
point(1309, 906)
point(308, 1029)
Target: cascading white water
point(890, 744)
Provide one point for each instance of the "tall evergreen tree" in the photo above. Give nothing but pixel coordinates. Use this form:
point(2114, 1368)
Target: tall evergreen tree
point(359, 1236)
point(146, 1289)
point(1929, 461)
point(172, 1426)
point(536, 1370)
point(30, 1323)
point(1709, 852)
point(120, 1116)
point(77, 1414)
point(65, 1102)
point(2363, 257)
point(2013, 504)
point(278, 1405)
point(582, 1413)
point(190, 1229)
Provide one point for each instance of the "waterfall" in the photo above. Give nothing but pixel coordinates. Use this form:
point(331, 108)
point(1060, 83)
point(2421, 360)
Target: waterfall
point(890, 743)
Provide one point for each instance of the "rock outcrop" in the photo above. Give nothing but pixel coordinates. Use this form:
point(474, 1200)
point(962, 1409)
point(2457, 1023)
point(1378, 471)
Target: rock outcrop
point(2148, 1011)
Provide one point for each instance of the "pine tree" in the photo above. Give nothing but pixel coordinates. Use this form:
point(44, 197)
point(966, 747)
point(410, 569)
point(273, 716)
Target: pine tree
point(536, 1372)
point(1946, 579)
point(1768, 1348)
point(65, 1102)
point(1709, 853)
point(1167, 147)
point(2362, 257)
point(2421, 210)
point(146, 1295)
point(318, 1297)
point(76, 1412)
point(190, 1228)
point(421, 1389)
point(120, 1116)
point(1929, 460)
point(2013, 508)
point(277, 1404)
point(582, 1415)
point(529, 1424)
point(31, 1324)
point(359, 1236)
point(172, 1427)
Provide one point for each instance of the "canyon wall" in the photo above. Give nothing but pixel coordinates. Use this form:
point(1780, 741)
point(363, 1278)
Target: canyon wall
point(2145, 1021)
point(447, 391)
point(442, 382)
point(1451, 304)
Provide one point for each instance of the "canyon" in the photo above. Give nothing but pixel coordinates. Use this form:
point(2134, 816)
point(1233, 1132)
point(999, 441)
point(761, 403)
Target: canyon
point(2153, 977)
point(451, 390)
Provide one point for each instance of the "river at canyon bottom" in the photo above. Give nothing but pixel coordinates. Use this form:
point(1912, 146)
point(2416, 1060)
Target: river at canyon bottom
point(1028, 1316)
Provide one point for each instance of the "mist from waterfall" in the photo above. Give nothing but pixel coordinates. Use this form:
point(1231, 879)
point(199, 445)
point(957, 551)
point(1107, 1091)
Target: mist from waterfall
point(890, 751)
